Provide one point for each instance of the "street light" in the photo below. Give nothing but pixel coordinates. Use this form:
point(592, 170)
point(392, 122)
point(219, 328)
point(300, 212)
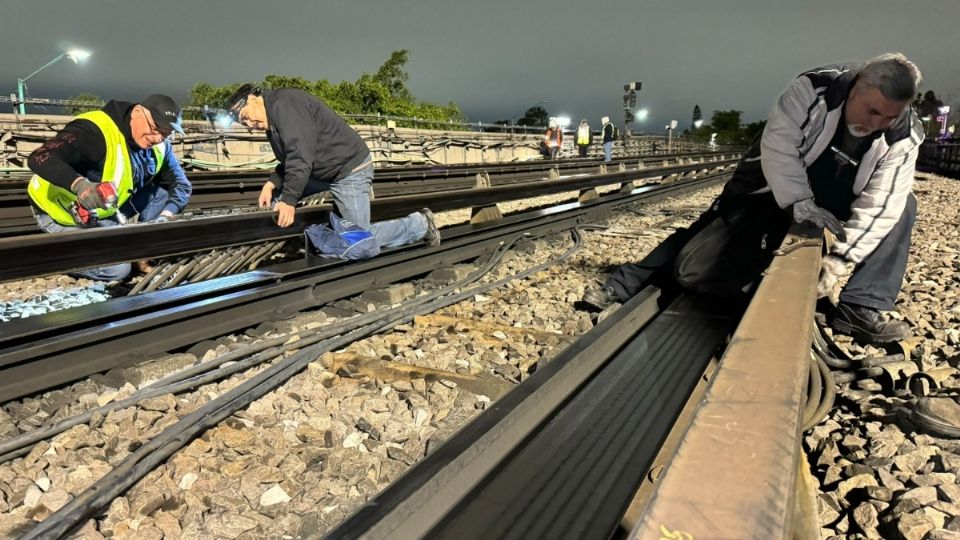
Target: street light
point(697, 124)
point(642, 115)
point(73, 54)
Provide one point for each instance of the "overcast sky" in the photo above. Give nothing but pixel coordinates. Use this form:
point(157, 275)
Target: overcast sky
point(495, 58)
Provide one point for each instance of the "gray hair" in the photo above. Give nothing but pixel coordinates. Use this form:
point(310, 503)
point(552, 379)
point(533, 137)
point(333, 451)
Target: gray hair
point(896, 77)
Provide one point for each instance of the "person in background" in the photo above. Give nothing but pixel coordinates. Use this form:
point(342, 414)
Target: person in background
point(553, 138)
point(584, 137)
point(609, 134)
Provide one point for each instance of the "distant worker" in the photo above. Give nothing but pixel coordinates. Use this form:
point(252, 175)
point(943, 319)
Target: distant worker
point(839, 150)
point(609, 135)
point(553, 138)
point(584, 137)
point(105, 168)
point(319, 152)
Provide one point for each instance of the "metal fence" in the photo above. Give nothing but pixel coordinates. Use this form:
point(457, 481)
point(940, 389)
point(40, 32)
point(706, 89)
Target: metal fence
point(940, 157)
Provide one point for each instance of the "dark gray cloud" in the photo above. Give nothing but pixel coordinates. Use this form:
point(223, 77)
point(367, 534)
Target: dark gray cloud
point(494, 58)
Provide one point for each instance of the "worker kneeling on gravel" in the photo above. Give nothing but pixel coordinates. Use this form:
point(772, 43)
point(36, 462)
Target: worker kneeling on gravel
point(106, 167)
point(319, 152)
point(838, 150)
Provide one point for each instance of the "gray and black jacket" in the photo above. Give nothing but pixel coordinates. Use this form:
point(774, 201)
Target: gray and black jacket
point(310, 141)
point(799, 129)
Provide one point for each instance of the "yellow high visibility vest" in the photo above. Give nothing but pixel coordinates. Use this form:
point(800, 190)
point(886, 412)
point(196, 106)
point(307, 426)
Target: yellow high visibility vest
point(583, 135)
point(56, 201)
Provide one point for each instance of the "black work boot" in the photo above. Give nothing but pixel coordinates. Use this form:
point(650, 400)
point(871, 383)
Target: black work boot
point(938, 415)
point(600, 298)
point(866, 325)
point(432, 237)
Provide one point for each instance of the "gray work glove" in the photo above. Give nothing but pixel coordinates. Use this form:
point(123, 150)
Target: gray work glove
point(88, 193)
point(832, 270)
point(807, 210)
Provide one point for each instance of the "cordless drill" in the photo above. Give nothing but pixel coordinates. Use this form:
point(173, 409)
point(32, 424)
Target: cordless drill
point(88, 218)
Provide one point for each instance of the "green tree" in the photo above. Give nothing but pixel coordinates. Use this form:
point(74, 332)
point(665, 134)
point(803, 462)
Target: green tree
point(751, 130)
point(727, 126)
point(392, 75)
point(95, 103)
point(535, 116)
point(382, 93)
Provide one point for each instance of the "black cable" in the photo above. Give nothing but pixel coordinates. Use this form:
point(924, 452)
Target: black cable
point(138, 464)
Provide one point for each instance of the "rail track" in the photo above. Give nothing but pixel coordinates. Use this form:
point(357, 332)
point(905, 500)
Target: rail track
point(586, 428)
point(222, 190)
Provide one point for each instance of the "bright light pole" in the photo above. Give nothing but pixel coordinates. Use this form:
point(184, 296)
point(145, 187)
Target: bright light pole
point(74, 54)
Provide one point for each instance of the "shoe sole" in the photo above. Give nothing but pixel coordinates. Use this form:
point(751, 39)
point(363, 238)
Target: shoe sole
point(864, 338)
point(432, 229)
point(596, 303)
point(935, 426)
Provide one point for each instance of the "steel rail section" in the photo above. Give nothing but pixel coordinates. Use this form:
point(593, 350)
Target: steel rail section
point(238, 188)
point(434, 485)
point(57, 253)
point(54, 348)
point(560, 464)
point(735, 471)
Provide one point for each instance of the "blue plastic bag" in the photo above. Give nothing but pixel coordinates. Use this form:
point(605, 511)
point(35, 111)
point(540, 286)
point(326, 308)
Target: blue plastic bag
point(342, 239)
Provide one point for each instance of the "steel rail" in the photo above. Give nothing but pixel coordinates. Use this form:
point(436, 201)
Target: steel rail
point(219, 189)
point(742, 451)
point(38, 255)
point(54, 348)
point(562, 454)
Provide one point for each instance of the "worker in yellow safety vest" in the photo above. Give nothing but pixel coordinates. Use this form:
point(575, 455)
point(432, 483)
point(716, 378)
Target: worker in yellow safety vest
point(109, 167)
point(584, 137)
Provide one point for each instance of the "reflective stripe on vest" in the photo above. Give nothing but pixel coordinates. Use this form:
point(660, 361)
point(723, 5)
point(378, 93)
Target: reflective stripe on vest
point(56, 201)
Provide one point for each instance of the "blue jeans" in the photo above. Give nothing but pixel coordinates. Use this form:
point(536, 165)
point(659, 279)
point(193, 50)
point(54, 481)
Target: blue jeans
point(876, 281)
point(608, 151)
point(352, 197)
point(148, 202)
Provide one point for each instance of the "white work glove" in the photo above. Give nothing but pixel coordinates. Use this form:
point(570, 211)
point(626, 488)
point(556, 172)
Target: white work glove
point(832, 270)
point(807, 210)
point(164, 217)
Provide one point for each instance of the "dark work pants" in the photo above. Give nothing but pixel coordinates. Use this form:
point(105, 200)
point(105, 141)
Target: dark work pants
point(629, 279)
point(876, 281)
point(583, 149)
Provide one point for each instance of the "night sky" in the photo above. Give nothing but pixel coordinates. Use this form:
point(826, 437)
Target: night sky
point(495, 58)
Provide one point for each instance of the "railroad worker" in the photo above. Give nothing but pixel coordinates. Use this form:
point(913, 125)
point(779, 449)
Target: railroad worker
point(318, 152)
point(838, 150)
point(609, 134)
point(584, 137)
point(553, 139)
point(122, 149)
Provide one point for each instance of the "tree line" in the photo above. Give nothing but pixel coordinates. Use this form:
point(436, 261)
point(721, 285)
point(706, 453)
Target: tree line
point(383, 93)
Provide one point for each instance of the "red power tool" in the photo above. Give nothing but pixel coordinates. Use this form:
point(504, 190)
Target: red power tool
point(88, 218)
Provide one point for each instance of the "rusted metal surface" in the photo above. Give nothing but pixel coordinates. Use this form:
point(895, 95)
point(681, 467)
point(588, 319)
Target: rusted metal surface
point(735, 473)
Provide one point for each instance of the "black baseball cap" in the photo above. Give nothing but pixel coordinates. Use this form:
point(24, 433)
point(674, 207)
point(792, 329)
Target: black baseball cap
point(165, 111)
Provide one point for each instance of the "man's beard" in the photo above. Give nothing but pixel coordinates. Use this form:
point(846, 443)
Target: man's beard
point(857, 131)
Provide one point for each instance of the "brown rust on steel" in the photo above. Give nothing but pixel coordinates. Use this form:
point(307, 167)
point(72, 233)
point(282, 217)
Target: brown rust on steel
point(388, 371)
point(734, 475)
point(488, 328)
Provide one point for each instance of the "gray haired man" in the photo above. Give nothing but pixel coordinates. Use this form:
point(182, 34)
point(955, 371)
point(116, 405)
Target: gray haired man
point(838, 150)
